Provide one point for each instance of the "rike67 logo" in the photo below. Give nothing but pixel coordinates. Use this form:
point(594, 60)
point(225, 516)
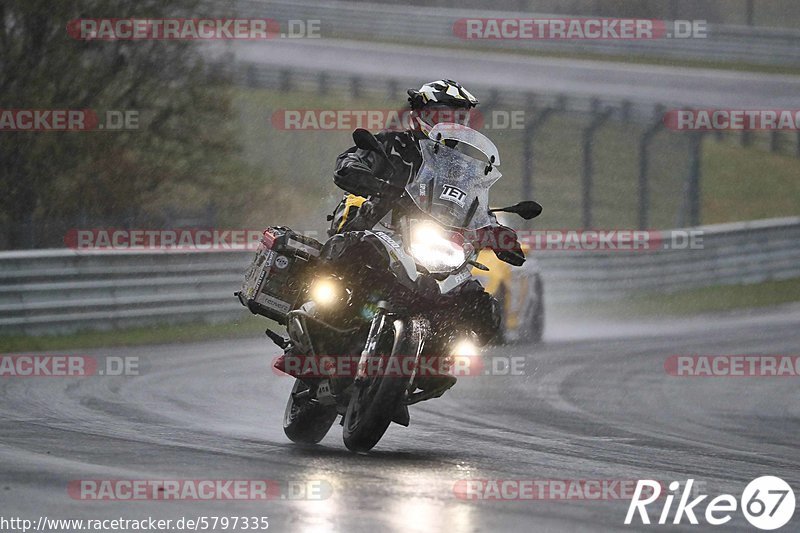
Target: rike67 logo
point(767, 503)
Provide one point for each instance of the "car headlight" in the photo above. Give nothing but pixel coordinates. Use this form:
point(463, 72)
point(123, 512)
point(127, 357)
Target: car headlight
point(432, 248)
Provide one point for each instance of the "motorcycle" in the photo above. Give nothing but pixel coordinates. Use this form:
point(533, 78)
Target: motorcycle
point(382, 299)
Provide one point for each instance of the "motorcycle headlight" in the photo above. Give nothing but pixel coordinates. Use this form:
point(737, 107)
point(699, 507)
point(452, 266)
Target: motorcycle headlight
point(432, 248)
point(327, 292)
point(465, 348)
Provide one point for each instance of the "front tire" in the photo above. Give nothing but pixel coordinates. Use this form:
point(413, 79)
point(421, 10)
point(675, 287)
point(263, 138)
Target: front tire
point(306, 421)
point(375, 401)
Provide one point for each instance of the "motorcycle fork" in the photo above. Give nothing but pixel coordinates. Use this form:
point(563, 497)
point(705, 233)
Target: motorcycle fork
point(419, 330)
point(420, 334)
point(375, 329)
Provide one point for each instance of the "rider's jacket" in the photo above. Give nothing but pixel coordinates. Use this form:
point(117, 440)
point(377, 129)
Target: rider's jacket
point(357, 170)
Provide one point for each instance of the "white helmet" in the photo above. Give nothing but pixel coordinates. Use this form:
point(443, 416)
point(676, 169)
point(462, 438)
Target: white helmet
point(443, 92)
point(428, 100)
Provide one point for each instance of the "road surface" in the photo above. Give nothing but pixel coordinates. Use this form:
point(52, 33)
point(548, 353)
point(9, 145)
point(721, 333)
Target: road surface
point(594, 404)
point(614, 80)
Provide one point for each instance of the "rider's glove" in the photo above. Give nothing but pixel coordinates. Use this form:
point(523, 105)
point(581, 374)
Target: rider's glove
point(389, 189)
point(358, 178)
point(356, 166)
point(514, 257)
point(507, 247)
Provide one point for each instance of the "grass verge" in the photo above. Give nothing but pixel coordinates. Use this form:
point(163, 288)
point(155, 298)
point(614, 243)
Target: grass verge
point(717, 299)
point(247, 326)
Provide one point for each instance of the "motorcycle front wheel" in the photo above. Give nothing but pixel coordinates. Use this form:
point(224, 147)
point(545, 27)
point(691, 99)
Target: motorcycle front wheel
point(306, 421)
point(376, 400)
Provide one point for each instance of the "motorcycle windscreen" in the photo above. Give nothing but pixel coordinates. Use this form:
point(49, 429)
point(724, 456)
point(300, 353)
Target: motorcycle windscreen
point(466, 135)
point(452, 187)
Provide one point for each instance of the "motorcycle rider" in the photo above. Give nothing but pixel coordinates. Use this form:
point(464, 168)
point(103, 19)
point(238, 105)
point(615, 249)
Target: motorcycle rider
point(374, 186)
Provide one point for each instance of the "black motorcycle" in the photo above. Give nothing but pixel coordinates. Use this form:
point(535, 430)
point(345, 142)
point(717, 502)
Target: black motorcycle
point(372, 317)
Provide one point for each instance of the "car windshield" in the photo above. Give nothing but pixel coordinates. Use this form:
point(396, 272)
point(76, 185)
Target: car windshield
point(451, 186)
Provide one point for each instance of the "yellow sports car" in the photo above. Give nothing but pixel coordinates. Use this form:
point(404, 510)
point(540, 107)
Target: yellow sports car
point(520, 293)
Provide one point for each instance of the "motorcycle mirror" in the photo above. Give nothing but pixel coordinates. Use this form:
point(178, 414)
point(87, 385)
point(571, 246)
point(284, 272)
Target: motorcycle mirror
point(367, 141)
point(527, 209)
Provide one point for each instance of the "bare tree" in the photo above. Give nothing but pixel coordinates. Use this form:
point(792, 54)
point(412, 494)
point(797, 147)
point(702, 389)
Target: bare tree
point(183, 135)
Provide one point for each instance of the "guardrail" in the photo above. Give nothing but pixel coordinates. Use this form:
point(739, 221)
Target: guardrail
point(57, 291)
point(736, 253)
point(434, 26)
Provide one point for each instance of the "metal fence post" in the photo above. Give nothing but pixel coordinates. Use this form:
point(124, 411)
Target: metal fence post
point(392, 88)
point(251, 76)
point(693, 188)
point(355, 87)
point(774, 142)
point(644, 163)
point(527, 161)
point(529, 136)
point(286, 80)
point(797, 144)
point(625, 111)
point(597, 121)
point(489, 105)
